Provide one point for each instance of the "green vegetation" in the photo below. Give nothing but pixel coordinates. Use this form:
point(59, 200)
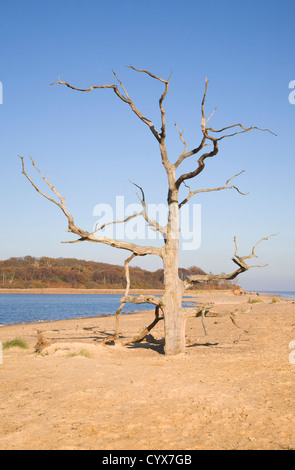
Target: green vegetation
point(30, 272)
point(15, 343)
point(82, 353)
point(255, 301)
point(275, 300)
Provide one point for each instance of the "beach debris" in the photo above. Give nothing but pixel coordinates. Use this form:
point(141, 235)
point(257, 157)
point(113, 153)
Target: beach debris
point(42, 342)
point(145, 332)
point(71, 349)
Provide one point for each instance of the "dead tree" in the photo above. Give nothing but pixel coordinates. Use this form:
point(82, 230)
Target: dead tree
point(168, 307)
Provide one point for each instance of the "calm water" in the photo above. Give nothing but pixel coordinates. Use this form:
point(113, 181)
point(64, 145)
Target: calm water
point(23, 308)
point(19, 308)
point(286, 294)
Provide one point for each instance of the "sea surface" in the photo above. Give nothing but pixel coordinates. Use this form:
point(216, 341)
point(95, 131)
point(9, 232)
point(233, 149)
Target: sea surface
point(23, 308)
point(278, 293)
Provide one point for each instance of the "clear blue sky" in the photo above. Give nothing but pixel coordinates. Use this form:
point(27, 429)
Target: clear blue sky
point(91, 144)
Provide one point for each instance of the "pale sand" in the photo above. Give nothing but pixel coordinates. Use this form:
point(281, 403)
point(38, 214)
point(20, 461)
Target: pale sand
point(231, 390)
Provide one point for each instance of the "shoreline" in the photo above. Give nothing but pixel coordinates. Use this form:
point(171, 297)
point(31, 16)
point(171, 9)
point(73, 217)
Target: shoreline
point(94, 317)
point(72, 290)
point(192, 296)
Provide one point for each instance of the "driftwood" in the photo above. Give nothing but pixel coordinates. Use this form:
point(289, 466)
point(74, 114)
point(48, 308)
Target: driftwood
point(144, 334)
point(42, 343)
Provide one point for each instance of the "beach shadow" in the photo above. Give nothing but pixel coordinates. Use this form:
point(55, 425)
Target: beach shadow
point(95, 336)
point(159, 348)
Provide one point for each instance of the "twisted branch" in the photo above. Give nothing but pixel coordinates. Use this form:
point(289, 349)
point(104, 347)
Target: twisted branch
point(133, 216)
point(214, 140)
point(153, 224)
point(225, 186)
point(139, 338)
point(239, 260)
point(163, 96)
point(84, 235)
point(125, 99)
point(239, 132)
point(127, 275)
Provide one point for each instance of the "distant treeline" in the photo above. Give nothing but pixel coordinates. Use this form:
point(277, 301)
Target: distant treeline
point(30, 272)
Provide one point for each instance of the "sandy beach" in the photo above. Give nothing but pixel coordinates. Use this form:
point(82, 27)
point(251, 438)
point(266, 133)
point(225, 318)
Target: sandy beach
point(233, 389)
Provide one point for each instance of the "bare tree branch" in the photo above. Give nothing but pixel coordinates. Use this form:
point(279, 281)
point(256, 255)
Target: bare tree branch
point(162, 136)
point(225, 186)
point(136, 249)
point(186, 154)
point(150, 74)
point(201, 162)
point(239, 260)
point(182, 156)
point(163, 96)
point(239, 132)
point(153, 224)
point(139, 338)
point(127, 275)
point(126, 99)
point(133, 216)
point(142, 299)
point(214, 140)
point(211, 116)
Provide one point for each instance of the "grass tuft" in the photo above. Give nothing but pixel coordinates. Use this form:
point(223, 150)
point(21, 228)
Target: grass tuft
point(81, 353)
point(15, 343)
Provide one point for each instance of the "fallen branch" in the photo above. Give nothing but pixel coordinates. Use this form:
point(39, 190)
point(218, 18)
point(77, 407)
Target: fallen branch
point(139, 338)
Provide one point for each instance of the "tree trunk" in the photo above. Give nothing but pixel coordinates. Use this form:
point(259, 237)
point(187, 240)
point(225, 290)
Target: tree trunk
point(174, 331)
point(172, 303)
point(174, 287)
